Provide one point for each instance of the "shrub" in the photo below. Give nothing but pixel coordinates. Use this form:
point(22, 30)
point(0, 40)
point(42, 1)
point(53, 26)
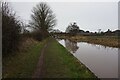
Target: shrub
point(10, 30)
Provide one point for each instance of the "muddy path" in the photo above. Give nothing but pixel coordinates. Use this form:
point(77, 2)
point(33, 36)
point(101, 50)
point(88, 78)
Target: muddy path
point(39, 71)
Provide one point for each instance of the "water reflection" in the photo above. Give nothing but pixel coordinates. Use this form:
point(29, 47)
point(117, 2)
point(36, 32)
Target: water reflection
point(97, 46)
point(71, 45)
point(101, 60)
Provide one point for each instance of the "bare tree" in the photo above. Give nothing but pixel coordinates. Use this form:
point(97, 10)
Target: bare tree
point(72, 28)
point(43, 18)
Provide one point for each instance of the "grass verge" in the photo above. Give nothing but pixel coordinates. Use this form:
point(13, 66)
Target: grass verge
point(23, 63)
point(59, 63)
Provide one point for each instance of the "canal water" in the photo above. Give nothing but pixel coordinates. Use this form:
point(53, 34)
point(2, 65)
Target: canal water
point(101, 60)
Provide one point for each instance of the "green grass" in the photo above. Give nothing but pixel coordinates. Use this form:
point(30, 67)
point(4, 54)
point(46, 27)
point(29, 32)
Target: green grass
point(59, 63)
point(23, 63)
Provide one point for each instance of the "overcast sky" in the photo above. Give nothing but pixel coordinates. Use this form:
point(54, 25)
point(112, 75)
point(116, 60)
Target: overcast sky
point(88, 15)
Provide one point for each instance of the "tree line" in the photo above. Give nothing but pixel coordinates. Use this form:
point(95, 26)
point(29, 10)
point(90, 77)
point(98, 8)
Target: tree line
point(10, 30)
point(13, 30)
point(73, 29)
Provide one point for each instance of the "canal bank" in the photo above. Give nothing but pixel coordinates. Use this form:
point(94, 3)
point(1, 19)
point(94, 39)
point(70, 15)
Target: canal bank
point(57, 62)
point(111, 41)
point(60, 63)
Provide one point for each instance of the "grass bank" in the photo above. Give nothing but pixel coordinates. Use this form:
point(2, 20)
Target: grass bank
point(111, 41)
point(59, 63)
point(23, 63)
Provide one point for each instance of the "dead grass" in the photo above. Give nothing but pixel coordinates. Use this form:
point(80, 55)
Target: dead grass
point(25, 43)
point(111, 41)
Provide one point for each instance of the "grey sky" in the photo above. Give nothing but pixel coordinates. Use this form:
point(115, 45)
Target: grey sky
point(88, 15)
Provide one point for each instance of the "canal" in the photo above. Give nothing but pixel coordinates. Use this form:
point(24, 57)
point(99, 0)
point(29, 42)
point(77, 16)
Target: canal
point(101, 60)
